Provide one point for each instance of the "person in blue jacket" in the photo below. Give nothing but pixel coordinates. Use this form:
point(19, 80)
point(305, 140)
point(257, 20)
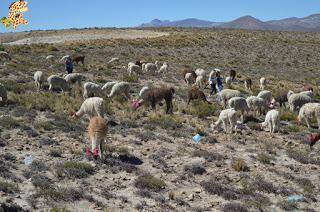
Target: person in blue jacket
point(69, 65)
point(219, 82)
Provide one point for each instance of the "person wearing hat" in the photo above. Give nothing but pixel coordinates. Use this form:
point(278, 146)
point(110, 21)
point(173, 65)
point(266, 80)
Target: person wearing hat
point(213, 82)
point(69, 65)
point(219, 81)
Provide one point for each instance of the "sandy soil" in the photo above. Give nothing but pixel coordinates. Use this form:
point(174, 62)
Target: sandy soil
point(83, 35)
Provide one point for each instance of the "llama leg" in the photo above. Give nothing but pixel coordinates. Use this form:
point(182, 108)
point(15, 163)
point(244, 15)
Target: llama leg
point(308, 123)
point(235, 127)
point(231, 126)
point(270, 126)
point(168, 105)
point(93, 144)
point(99, 148)
point(127, 93)
point(225, 127)
point(242, 118)
point(273, 126)
point(318, 121)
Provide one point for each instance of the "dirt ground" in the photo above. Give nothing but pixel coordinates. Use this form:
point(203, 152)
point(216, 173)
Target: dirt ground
point(152, 163)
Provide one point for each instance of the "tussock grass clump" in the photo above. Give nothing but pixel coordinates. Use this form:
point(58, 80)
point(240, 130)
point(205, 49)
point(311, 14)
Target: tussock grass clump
point(209, 156)
point(305, 184)
point(202, 109)
point(254, 126)
point(58, 209)
point(17, 88)
point(44, 125)
point(41, 181)
point(239, 165)
point(215, 188)
point(8, 187)
point(195, 169)
point(302, 156)
point(74, 169)
point(38, 165)
point(116, 165)
point(265, 158)
point(59, 194)
point(8, 156)
point(64, 123)
point(127, 78)
point(121, 150)
point(257, 184)
point(55, 153)
point(53, 49)
point(171, 195)
point(293, 128)
point(149, 182)
point(166, 121)
point(234, 207)
point(287, 115)
point(288, 206)
point(47, 101)
point(9, 122)
point(11, 207)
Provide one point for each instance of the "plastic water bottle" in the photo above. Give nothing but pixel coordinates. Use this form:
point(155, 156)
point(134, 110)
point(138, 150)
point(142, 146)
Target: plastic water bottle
point(197, 138)
point(28, 160)
point(295, 198)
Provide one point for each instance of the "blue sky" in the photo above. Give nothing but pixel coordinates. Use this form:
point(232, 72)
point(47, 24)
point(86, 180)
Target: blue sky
point(58, 14)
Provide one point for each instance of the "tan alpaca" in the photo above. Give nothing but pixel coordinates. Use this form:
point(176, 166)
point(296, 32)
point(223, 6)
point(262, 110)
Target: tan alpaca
point(97, 131)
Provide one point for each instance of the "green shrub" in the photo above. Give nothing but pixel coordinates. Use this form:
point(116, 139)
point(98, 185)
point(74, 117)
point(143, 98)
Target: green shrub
point(202, 109)
point(265, 158)
point(149, 182)
point(8, 122)
point(2, 48)
point(293, 128)
point(254, 126)
point(17, 88)
point(166, 121)
point(127, 78)
point(287, 115)
point(74, 169)
point(305, 184)
point(55, 153)
point(302, 156)
point(8, 187)
point(58, 194)
point(53, 49)
point(44, 125)
point(47, 101)
point(239, 165)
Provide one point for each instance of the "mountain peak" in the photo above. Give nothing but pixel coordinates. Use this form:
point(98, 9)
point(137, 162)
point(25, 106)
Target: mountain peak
point(309, 23)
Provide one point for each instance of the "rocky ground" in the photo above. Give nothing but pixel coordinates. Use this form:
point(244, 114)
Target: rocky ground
point(152, 163)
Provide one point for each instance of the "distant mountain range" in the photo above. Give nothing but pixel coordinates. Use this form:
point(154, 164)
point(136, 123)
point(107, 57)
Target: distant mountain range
point(309, 23)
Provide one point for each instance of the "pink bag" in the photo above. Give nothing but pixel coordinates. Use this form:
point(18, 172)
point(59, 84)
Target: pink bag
point(136, 104)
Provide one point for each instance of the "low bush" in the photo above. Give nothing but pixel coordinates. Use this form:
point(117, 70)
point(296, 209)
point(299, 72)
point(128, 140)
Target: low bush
point(8, 187)
point(202, 109)
point(74, 169)
point(239, 165)
point(149, 182)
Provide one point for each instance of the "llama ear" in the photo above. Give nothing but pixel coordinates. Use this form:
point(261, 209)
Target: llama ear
point(71, 113)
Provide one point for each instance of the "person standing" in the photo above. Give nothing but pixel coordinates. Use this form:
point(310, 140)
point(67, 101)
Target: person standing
point(219, 82)
point(213, 82)
point(69, 65)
